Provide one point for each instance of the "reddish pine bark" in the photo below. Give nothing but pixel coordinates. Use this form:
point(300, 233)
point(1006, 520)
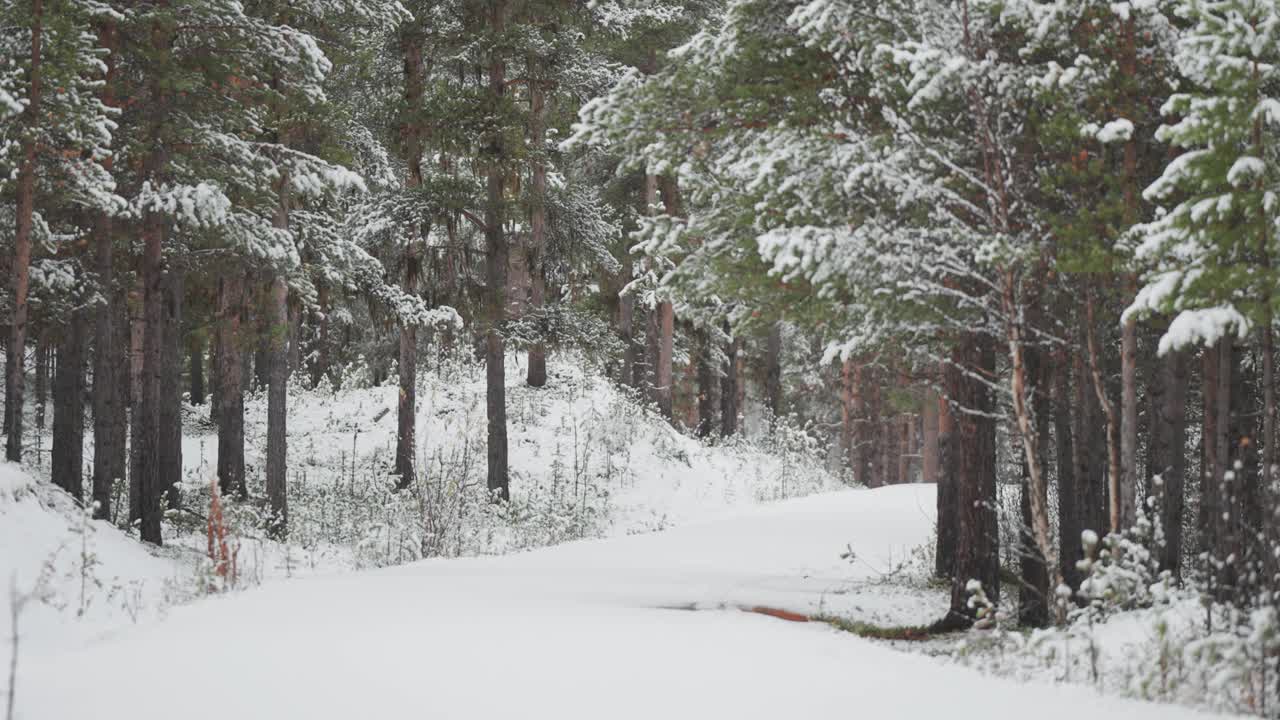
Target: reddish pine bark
point(15, 378)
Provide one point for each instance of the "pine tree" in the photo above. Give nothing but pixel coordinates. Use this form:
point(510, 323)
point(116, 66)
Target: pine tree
point(54, 158)
point(1210, 255)
point(202, 176)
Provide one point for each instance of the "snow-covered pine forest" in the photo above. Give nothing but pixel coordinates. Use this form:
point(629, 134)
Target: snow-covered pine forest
point(639, 358)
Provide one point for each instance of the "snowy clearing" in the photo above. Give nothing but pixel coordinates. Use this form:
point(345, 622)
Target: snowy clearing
point(598, 628)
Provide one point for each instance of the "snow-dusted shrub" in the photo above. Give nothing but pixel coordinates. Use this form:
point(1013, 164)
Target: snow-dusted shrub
point(993, 646)
point(1235, 668)
point(565, 326)
point(801, 455)
point(789, 460)
point(1122, 571)
point(355, 374)
point(985, 610)
point(546, 515)
point(459, 517)
point(1139, 634)
point(1121, 574)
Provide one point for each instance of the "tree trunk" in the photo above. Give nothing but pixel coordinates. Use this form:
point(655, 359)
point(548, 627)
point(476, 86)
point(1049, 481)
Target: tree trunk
point(1265, 493)
point(108, 406)
point(295, 336)
point(153, 289)
point(1033, 590)
point(929, 439)
point(729, 387)
point(646, 352)
point(1035, 550)
point(706, 385)
point(196, 367)
point(15, 378)
point(68, 409)
point(1210, 463)
point(658, 391)
point(666, 313)
point(496, 262)
point(906, 438)
point(137, 330)
point(411, 49)
point(876, 447)
point(651, 355)
point(1027, 390)
point(1268, 406)
point(1126, 505)
point(262, 353)
point(1096, 457)
point(773, 371)
point(859, 442)
point(665, 323)
point(321, 366)
point(279, 363)
point(1167, 458)
point(215, 365)
point(1153, 399)
point(1267, 500)
point(846, 414)
point(650, 195)
point(1228, 518)
point(406, 424)
point(688, 400)
point(974, 455)
point(411, 55)
point(278, 390)
point(43, 360)
point(642, 361)
point(171, 389)
point(891, 442)
point(1220, 496)
point(1114, 464)
point(947, 509)
point(248, 324)
point(1244, 492)
point(119, 461)
point(230, 390)
point(1069, 501)
point(1128, 485)
point(537, 374)
point(626, 330)
point(7, 405)
point(150, 483)
point(1267, 497)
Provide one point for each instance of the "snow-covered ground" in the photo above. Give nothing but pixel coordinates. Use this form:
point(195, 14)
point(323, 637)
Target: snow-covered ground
point(83, 576)
point(648, 605)
point(647, 626)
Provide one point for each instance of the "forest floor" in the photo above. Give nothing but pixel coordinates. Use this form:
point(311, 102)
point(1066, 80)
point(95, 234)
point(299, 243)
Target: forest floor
point(648, 626)
point(642, 574)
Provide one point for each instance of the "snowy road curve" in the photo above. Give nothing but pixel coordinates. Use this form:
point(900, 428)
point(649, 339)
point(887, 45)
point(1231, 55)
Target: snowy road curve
point(598, 630)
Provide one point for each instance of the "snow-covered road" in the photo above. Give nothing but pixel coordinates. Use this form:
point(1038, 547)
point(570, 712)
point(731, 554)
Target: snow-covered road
point(601, 629)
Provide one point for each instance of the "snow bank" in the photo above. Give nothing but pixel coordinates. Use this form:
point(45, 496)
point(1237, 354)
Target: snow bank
point(83, 576)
